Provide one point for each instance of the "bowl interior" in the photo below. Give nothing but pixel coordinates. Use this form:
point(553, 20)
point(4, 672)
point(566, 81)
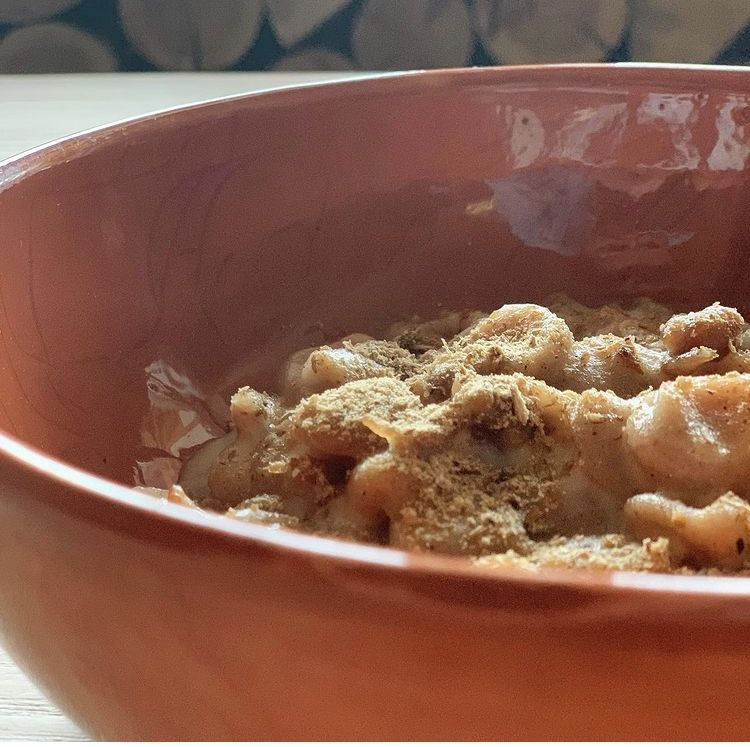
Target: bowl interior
point(220, 238)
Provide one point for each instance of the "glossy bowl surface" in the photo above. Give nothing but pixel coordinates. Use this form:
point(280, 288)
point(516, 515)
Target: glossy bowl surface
point(218, 238)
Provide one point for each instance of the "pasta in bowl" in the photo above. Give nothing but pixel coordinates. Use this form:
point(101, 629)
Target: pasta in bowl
point(431, 523)
point(610, 438)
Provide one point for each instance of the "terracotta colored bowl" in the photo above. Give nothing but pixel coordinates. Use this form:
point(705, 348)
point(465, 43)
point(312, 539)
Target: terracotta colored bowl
point(230, 233)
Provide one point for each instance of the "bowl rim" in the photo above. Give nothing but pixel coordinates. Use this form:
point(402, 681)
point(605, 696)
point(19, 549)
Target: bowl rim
point(334, 551)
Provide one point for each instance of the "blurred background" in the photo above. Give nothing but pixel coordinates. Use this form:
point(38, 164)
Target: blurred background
point(46, 36)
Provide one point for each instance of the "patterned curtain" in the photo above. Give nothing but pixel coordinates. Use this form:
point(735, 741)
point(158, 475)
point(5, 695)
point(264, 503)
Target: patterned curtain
point(42, 36)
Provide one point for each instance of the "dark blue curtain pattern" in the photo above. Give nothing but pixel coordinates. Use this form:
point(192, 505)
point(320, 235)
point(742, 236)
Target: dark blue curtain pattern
point(43, 36)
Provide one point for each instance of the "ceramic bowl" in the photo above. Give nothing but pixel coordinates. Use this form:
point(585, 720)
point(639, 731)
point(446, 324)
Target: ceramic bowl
point(212, 241)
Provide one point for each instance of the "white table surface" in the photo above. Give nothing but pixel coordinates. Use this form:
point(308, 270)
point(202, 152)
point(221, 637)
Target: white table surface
point(35, 110)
